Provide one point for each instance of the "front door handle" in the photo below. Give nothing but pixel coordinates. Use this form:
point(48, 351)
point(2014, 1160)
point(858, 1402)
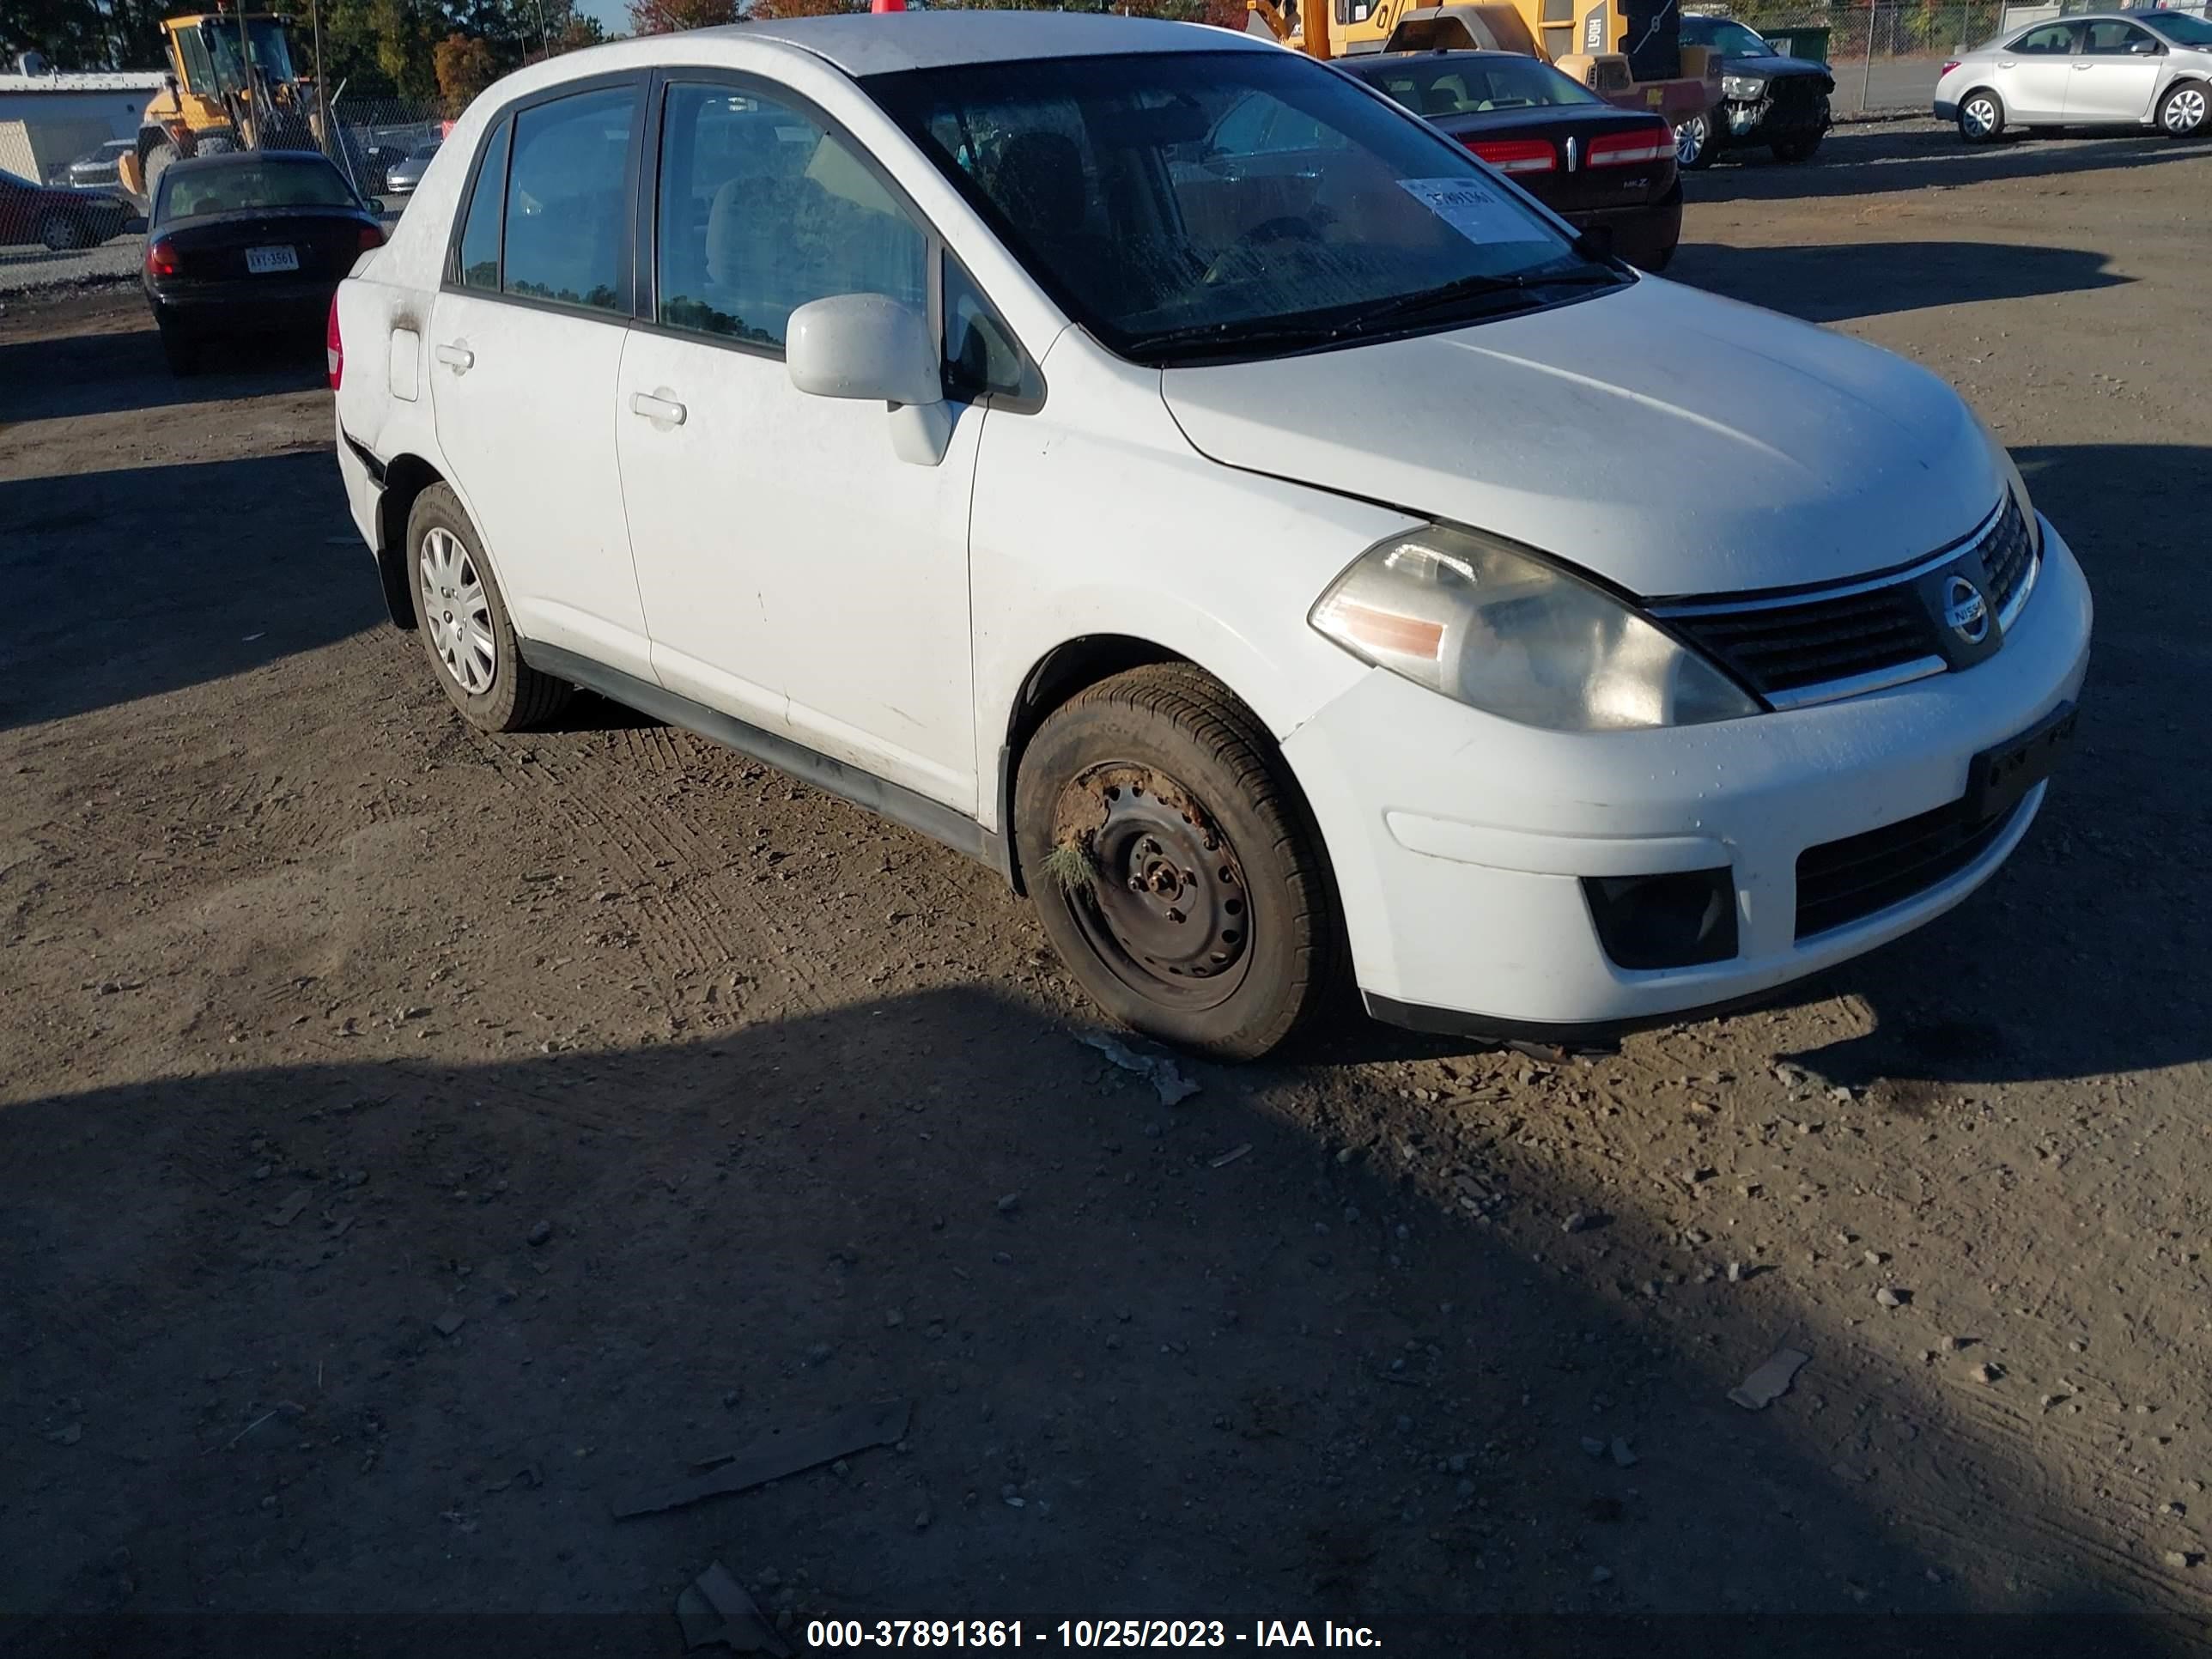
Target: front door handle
point(2008, 62)
point(457, 357)
point(2082, 66)
point(657, 409)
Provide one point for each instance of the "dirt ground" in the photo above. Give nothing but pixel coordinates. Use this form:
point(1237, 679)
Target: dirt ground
point(413, 1143)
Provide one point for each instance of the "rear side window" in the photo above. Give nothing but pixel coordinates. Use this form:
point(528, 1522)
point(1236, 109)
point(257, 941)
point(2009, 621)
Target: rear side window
point(2106, 39)
point(763, 211)
point(480, 235)
point(2051, 39)
point(566, 197)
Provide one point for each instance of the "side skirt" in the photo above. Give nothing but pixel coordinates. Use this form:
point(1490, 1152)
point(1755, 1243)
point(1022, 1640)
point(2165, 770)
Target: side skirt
point(900, 805)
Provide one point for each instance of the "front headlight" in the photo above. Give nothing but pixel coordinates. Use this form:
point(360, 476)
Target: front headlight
point(1499, 630)
point(1744, 88)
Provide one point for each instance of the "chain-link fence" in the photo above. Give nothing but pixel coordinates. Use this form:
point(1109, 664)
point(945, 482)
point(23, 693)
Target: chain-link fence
point(67, 218)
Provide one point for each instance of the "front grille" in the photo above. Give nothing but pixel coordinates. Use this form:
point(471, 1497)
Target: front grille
point(1840, 881)
point(2008, 555)
point(1791, 650)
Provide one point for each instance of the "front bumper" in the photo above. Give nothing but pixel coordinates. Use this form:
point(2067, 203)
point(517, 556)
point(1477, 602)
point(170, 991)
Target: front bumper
point(1765, 120)
point(1459, 841)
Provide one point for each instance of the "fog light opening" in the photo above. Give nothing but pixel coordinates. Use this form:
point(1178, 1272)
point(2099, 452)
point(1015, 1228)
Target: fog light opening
point(1675, 921)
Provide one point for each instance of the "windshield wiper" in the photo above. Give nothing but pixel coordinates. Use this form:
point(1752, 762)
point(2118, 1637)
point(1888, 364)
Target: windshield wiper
point(1241, 336)
point(1480, 286)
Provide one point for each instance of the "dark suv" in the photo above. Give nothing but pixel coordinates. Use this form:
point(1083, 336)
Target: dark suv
point(1765, 98)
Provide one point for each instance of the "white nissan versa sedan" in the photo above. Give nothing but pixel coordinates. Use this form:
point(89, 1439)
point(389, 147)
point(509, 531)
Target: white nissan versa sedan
point(1154, 463)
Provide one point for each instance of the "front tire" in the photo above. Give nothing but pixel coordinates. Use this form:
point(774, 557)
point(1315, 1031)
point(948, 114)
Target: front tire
point(1173, 865)
point(462, 617)
point(1694, 145)
point(1792, 151)
point(63, 234)
point(2184, 110)
point(1981, 116)
point(153, 165)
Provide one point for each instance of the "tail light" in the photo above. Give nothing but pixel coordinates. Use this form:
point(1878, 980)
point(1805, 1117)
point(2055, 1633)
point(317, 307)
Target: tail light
point(1948, 67)
point(1515, 155)
point(162, 259)
point(333, 347)
point(371, 236)
point(1630, 148)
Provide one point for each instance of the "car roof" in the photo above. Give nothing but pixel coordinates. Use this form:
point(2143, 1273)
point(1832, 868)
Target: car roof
point(1450, 54)
point(880, 44)
point(233, 157)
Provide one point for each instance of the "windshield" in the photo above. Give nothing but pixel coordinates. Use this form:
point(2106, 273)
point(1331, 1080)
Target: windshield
point(2180, 27)
point(1731, 40)
point(272, 57)
point(1473, 86)
point(1188, 202)
point(251, 184)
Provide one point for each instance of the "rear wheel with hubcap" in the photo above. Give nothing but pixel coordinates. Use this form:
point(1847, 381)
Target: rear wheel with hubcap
point(1173, 866)
point(1693, 142)
point(462, 617)
point(2182, 112)
point(1981, 116)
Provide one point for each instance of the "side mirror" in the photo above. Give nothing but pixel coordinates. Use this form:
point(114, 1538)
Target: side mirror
point(871, 347)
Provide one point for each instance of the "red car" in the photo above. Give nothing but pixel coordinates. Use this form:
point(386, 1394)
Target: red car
point(61, 219)
point(1590, 162)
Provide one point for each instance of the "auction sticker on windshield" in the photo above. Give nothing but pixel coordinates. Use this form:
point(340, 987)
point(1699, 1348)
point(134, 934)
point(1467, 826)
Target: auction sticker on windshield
point(1473, 207)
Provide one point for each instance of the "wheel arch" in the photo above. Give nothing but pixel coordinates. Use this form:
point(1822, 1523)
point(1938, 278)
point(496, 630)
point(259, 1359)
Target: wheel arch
point(405, 477)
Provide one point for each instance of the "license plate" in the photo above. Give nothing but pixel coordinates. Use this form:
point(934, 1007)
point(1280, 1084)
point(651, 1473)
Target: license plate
point(259, 260)
point(1998, 777)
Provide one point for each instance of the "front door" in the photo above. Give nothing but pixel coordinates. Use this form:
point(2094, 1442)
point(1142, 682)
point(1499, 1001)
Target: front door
point(2116, 74)
point(796, 573)
point(525, 341)
point(2033, 73)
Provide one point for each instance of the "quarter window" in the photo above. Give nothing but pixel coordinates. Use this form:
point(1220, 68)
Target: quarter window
point(762, 210)
point(566, 192)
point(480, 234)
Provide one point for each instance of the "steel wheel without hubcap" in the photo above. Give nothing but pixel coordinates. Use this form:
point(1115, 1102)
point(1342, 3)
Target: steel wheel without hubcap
point(1165, 910)
point(1692, 139)
point(455, 612)
point(1979, 118)
point(2184, 110)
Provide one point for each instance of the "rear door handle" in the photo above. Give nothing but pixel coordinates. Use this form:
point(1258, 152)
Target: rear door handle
point(2082, 66)
point(458, 358)
point(657, 409)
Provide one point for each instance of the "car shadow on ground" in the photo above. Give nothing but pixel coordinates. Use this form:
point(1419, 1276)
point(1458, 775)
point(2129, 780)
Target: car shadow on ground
point(113, 593)
point(122, 370)
point(1880, 159)
point(372, 1335)
point(1828, 283)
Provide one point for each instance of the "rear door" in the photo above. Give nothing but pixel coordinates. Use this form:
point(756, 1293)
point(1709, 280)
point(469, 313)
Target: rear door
point(2115, 75)
point(2033, 73)
point(526, 342)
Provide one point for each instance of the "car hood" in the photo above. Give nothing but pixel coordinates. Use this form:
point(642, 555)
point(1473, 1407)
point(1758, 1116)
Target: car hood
point(1665, 440)
point(1774, 67)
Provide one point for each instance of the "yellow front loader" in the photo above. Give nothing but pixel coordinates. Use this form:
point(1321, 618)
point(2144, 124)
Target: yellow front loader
point(231, 86)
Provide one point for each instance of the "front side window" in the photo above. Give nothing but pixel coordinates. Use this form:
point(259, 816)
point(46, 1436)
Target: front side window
point(762, 210)
point(199, 69)
point(567, 188)
point(2108, 38)
point(2052, 39)
point(1476, 86)
point(1153, 196)
point(479, 257)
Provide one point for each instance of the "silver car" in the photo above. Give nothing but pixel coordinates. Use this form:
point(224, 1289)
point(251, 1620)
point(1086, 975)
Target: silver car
point(404, 176)
point(2098, 70)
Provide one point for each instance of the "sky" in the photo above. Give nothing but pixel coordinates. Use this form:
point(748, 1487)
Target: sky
point(613, 15)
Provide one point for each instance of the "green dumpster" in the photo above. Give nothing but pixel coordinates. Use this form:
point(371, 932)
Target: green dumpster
point(1811, 43)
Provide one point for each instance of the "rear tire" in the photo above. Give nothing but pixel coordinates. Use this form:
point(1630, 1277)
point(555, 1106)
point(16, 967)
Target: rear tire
point(1696, 142)
point(461, 615)
point(2186, 111)
point(63, 234)
point(1981, 116)
point(1173, 865)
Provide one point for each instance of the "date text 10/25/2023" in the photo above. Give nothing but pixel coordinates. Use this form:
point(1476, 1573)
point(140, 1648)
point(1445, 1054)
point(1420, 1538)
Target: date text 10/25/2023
point(1084, 1634)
